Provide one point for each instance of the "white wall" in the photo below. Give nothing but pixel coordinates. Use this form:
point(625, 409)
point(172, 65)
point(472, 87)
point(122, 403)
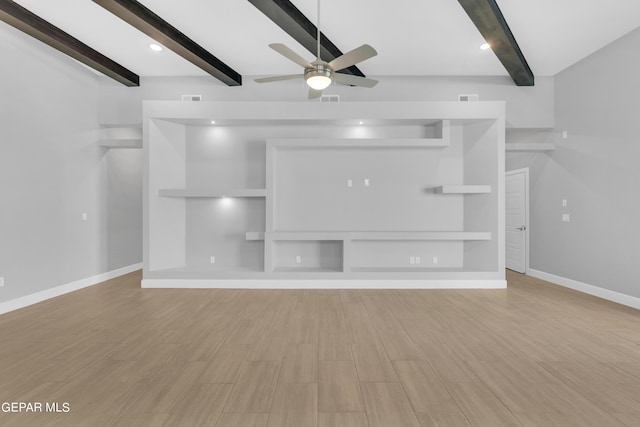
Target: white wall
point(52, 170)
point(527, 107)
point(595, 170)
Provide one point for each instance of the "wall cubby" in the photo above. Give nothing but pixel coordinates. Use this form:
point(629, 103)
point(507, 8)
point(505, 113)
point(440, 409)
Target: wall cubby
point(317, 195)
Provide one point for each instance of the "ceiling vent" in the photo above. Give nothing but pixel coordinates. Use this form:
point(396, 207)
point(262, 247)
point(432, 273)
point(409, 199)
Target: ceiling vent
point(468, 97)
point(330, 98)
point(192, 97)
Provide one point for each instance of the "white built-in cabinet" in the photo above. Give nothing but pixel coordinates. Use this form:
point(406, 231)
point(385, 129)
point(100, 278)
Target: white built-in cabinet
point(306, 194)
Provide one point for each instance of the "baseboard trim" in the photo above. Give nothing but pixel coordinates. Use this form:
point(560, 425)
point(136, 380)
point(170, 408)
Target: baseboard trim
point(595, 291)
point(322, 284)
point(27, 300)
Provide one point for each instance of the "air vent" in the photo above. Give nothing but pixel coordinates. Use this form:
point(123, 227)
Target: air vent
point(330, 98)
point(192, 97)
point(468, 97)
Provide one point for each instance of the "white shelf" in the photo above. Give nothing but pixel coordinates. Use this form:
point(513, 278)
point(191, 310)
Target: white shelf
point(420, 235)
point(370, 235)
point(254, 235)
point(214, 193)
point(441, 140)
point(308, 235)
point(298, 235)
point(530, 146)
point(121, 143)
point(306, 270)
point(410, 269)
point(121, 136)
point(204, 271)
point(463, 189)
point(360, 142)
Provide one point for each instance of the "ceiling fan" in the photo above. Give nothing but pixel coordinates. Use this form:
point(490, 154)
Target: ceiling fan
point(319, 74)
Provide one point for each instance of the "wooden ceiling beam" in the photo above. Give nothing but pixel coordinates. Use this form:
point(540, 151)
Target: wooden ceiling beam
point(31, 24)
point(138, 16)
point(488, 18)
point(297, 25)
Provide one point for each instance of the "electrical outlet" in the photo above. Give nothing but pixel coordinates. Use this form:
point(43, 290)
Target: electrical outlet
point(412, 260)
point(565, 135)
point(212, 260)
point(417, 260)
point(349, 183)
point(566, 218)
point(1, 281)
point(564, 203)
point(84, 216)
point(435, 260)
point(298, 259)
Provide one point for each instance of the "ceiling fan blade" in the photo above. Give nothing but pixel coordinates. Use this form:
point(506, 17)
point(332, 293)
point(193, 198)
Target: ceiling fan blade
point(314, 94)
point(288, 53)
point(278, 78)
point(354, 80)
point(352, 57)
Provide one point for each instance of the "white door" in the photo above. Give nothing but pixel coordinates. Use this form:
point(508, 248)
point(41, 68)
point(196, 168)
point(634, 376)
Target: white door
point(516, 207)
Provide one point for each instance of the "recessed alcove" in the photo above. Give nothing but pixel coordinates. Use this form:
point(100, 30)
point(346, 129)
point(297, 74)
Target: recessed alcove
point(303, 195)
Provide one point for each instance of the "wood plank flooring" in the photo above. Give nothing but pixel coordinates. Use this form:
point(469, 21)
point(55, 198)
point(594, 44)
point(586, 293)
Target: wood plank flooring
point(534, 354)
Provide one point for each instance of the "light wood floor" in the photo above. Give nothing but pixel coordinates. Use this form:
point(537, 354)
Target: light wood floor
point(532, 355)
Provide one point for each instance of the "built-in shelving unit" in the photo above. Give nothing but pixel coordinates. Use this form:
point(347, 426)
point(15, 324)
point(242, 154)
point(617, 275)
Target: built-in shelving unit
point(254, 201)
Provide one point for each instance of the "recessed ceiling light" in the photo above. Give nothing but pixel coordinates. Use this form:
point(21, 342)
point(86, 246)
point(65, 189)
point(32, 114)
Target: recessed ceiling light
point(360, 122)
point(213, 122)
point(485, 46)
point(155, 47)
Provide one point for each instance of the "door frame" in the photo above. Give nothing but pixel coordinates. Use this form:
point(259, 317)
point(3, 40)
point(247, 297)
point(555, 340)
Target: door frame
point(526, 214)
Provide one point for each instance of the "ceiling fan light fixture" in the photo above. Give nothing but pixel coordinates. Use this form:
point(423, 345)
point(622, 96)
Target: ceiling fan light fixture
point(319, 77)
point(318, 82)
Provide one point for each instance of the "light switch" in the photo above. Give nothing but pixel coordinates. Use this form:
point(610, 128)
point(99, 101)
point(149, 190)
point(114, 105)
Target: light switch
point(366, 182)
point(1, 281)
point(566, 218)
point(84, 216)
point(565, 135)
point(212, 260)
point(564, 203)
point(349, 183)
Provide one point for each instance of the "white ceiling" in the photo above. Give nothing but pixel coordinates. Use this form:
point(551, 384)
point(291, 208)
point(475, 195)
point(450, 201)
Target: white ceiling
point(412, 37)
